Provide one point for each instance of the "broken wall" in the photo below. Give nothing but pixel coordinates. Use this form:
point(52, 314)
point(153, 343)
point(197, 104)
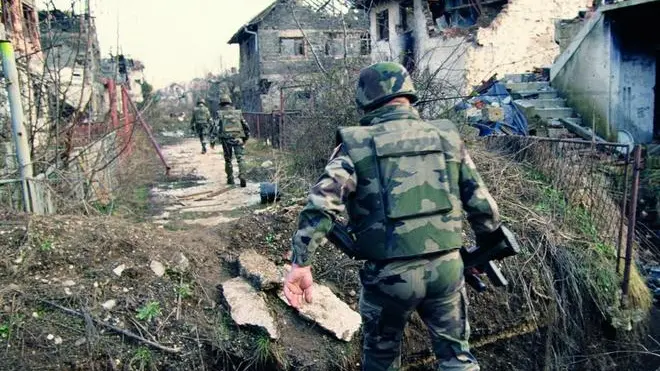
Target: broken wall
point(520, 37)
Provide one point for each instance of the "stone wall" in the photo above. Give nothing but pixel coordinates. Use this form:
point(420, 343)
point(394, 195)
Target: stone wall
point(326, 38)
point(519, 38)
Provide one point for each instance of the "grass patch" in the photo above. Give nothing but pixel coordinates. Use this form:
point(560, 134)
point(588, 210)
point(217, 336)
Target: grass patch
point(593, 259)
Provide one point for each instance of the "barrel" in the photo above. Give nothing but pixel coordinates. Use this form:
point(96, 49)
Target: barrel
point(269, 193)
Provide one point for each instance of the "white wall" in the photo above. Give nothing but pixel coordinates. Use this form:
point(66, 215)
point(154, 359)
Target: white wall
point(521, 37)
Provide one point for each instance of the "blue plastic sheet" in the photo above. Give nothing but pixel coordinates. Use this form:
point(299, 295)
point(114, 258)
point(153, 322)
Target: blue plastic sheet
point(514, 121)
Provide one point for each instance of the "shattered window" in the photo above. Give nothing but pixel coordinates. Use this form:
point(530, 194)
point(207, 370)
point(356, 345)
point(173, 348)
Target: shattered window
point(383, 24)
point(292, 46)
point(406, 16)
point(365, 44)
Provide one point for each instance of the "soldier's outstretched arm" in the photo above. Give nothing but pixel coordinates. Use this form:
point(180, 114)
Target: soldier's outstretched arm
point(326, 201)
point(481, 209)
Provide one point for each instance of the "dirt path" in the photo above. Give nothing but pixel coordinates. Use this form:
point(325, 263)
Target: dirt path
point(200, 195)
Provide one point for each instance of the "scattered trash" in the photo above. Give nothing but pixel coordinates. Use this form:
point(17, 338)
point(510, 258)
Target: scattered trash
point(491, 110)
point(118, 271)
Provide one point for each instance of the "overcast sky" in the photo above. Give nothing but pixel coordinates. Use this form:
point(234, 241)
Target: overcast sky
point(176, 39)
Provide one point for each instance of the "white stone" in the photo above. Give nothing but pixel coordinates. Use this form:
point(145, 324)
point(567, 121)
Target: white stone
point(247, 306)
point(183, 263)
point(267, 164)
point(68, 283)
point(50, 337)
point(118, 271)
point(329, 312)
point(158, 268)
point(260, 271)
point(108, 305)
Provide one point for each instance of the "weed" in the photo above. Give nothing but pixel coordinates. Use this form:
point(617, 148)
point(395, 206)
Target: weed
point(270, 239)
point(10, 325)
point(184, 290)
point(150, 311)
point(141, 360)
point(262, 352)
point(46, 245)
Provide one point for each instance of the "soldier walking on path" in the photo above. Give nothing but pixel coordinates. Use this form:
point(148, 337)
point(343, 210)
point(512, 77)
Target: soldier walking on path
point(233, 132)
point(200, 123)
point(405, 184)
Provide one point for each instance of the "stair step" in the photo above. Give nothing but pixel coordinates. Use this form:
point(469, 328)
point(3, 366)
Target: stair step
point(525, 86)
point(555, 113)
point(549, 103)
point(519, 77)
point(573, 120)
point(538, 94)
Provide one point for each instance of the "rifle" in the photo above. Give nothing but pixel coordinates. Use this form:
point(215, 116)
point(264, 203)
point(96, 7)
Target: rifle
point(477, 259)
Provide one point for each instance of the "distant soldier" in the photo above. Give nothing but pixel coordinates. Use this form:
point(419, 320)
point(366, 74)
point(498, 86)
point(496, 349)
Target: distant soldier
point(405, 184)
point(233, 132)
point(200, 122)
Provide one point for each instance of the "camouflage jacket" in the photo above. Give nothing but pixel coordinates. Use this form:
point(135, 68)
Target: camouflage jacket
point(405, 183)
point(231, 124)
point(201, 118)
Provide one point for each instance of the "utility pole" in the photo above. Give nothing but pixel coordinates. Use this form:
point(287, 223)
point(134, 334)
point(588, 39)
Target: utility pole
point(19, 133)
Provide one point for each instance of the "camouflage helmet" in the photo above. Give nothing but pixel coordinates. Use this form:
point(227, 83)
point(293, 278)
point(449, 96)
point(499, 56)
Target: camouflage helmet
point(381, 82)
point(225, 99)
point(201, 101)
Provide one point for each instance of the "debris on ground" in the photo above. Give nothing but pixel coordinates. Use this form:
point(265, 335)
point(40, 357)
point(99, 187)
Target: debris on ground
point(329, 312)
point(247, 306)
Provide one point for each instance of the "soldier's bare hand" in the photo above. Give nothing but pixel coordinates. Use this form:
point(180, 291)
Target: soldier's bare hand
point(298, 285)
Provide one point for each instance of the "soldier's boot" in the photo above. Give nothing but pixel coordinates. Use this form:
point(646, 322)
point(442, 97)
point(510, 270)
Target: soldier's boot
point(212, 144)
point(229, 170)
point(238, 151)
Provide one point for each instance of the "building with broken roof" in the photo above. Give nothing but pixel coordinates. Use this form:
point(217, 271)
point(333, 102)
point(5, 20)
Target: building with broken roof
point(290, 41)
point(463, 42)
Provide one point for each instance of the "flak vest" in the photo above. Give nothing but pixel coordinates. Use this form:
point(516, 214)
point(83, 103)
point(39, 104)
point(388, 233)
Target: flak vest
point(407, 201)
point(232, 123)
point(200, 116)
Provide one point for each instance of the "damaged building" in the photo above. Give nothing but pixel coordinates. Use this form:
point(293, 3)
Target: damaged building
point(609, 71)
point(292, 40)
point(463, 42)
point(72, 55)
point(20, 25)
point(125, 71)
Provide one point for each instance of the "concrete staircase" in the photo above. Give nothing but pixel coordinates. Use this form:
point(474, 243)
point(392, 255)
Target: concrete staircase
point(539, 99)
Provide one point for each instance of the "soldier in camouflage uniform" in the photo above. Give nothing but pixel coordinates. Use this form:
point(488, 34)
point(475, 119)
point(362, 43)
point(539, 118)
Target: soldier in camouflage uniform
point(405, 184)
point(200, 123)
point(233, 132)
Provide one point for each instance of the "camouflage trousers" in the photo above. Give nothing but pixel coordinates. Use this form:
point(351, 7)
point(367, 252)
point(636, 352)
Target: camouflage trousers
point(201, 131)
point(435, 288)
point(231, 147)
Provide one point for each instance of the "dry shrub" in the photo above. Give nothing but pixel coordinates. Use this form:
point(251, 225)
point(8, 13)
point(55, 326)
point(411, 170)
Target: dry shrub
point(564, 245)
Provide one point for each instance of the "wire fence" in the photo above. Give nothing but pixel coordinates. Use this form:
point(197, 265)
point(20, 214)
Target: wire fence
point(587, 186)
